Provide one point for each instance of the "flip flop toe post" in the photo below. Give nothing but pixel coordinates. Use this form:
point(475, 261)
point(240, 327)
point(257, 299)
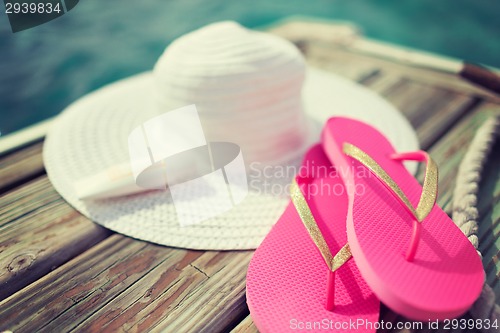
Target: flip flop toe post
point(301, 276)
point(411, 254)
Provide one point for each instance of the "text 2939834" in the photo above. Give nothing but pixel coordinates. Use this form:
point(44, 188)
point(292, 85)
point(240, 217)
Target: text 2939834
point(12, 7)
point(25, 14)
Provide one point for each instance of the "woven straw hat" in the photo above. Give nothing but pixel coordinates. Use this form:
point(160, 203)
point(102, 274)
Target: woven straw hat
point(251, 89)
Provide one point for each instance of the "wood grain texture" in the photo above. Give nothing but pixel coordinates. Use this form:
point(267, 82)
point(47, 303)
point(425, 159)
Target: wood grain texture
point(20, 166)
point(38, 232)
point(123, 284)
point(450, 149)
point(340, 42)
point(84, 283)
point(432, 111)
point(339, 63)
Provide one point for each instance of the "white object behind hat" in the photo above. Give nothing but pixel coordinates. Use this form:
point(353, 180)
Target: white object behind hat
point(91, 135)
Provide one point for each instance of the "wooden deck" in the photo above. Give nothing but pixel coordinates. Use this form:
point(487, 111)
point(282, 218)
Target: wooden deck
point(60, 272)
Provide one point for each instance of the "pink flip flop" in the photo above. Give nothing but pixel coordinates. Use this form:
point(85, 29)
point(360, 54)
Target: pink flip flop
point(407, 249)
point(301, 277)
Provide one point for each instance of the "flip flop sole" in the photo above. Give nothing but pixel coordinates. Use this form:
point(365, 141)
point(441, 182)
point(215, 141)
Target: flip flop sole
point(287, 276)
point(446, 275)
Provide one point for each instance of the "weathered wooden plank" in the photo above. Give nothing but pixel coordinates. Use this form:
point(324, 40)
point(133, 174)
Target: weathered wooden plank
point(21, 165)
point(489, 226)
point(140, 307)
point(450, 149)
point(219, 302)
point(132, 285)
point(32, 196)
point(339, 63)
point(345, 56)
point(245, 326)
point(307, 36)
point(38, 232)
point(90, 278)
point(206, 294)
point(438, 123)
point(431, 110)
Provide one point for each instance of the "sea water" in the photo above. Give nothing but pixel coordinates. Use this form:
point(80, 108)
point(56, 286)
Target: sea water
point(44, 69)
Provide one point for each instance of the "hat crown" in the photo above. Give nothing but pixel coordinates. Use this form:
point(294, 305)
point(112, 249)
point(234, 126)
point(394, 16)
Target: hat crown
point(246, 86)
point(227, 48)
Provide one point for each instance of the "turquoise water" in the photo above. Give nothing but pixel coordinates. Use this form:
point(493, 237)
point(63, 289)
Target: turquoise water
point(44, 69)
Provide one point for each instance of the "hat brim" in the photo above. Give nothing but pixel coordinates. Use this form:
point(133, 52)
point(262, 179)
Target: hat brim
point(91, 135)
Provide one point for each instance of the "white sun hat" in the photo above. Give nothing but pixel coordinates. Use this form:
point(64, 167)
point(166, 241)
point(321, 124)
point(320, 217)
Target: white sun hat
point(251, 89)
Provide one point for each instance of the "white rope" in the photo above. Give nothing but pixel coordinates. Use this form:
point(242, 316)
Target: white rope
point(465, 213)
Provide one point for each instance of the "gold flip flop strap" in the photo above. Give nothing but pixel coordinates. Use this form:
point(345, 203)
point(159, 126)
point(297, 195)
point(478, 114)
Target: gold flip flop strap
point(300, 203)
point(429, 189)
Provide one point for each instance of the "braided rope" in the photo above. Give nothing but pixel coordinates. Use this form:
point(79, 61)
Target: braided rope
point(465, 213)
